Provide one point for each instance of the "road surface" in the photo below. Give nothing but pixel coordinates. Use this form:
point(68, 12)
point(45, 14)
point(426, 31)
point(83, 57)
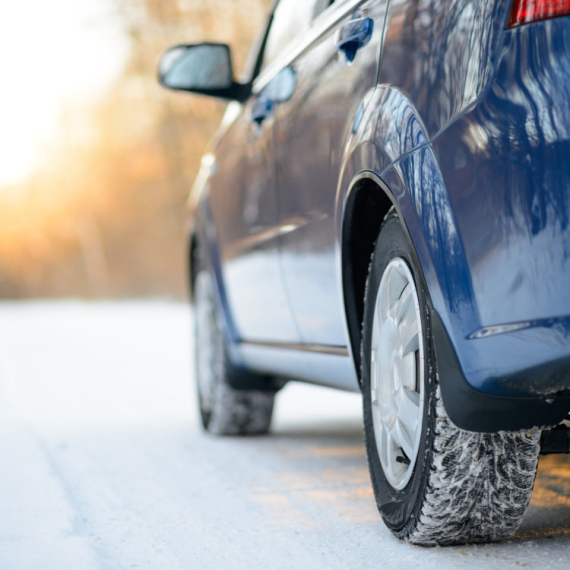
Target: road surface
point(103, 465)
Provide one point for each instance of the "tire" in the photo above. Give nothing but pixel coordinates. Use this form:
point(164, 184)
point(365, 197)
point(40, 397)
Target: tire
point(224, 410)
point(434, 484)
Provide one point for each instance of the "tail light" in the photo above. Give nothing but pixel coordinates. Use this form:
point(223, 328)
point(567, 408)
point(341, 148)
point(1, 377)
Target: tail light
point(527, 11)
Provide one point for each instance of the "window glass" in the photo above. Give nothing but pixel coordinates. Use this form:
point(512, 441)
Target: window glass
point(322, 5)
point(290, 20)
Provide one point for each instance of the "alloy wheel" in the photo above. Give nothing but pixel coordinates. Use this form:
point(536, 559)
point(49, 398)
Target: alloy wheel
point(397, 373)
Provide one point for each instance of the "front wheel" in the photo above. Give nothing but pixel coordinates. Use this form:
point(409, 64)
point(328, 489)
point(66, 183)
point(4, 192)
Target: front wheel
point(433, 482)
point(224, 410)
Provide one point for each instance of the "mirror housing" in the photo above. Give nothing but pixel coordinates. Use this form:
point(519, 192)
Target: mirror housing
point(204, 68)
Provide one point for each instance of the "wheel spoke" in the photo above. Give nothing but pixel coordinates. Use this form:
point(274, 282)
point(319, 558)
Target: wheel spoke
point(409, 410)
point(408, 333)
point(384, 445)
point(405, 302)
point(374, 368)
point(409, 372)
point(374, 394)
point(402, 438)
point(391, 458)
point(395, 285)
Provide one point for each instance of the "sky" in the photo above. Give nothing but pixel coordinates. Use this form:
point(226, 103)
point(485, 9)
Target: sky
point(52, 53)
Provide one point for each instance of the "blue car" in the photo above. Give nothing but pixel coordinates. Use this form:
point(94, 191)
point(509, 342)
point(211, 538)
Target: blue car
point(386, 209)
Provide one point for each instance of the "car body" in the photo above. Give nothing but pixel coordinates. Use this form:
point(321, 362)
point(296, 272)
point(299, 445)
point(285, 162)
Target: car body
point(455, 116)
point(463, 126)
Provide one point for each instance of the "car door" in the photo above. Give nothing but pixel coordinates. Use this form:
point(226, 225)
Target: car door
point(243, 201)
point(245, 195)
point(311, 130)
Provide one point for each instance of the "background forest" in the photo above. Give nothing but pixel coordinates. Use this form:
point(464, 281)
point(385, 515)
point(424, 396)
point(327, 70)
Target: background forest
point(104, 216)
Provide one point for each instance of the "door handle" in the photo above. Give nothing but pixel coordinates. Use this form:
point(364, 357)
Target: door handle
point(353, 35)
point(262, 110)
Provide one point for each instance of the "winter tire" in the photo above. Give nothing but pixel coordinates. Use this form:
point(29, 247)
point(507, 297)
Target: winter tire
point(434, 483)
point(224, 410)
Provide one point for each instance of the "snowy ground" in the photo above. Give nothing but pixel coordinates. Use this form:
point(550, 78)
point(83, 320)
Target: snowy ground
point(103, 466)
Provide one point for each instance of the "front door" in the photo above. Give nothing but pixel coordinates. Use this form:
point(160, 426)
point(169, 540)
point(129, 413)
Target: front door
point(243, 199)
point(251, 228)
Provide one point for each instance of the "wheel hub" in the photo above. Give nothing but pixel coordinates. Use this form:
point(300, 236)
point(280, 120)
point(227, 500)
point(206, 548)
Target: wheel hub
point(396, 383)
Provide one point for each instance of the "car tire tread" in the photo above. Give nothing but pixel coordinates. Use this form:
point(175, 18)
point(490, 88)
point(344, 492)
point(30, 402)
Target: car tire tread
point(479, 484)
point(231, 411)
point(236, 412)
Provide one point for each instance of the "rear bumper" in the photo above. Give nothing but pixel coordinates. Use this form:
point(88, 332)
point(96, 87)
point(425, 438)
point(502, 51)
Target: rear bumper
point(543, 390)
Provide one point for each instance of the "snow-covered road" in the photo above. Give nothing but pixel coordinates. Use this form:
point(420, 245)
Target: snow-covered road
point(103, 466)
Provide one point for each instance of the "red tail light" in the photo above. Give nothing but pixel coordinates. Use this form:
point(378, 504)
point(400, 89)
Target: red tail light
point(527, 11)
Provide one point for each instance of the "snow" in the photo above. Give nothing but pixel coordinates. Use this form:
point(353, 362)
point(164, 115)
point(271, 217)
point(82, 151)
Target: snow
point(103, 464)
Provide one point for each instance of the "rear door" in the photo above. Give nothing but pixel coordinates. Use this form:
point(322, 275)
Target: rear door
point(312, 129)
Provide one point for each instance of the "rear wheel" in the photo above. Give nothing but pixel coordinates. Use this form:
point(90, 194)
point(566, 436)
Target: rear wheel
point(224, 410)
point(433, 482)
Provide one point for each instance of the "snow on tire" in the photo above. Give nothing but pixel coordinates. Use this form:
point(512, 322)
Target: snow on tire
point(478, 485)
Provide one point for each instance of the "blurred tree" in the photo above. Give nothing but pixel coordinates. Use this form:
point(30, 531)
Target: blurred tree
point(106, 216)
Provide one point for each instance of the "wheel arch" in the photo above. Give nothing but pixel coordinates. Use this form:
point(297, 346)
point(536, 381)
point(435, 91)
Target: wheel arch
point(202, 240)
point(367, 202)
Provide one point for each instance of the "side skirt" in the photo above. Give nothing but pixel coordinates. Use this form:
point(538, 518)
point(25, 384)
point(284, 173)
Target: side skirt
point(329, 366)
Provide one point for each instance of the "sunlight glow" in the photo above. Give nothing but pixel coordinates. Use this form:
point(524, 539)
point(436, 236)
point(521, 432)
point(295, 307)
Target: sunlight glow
point(52, 54)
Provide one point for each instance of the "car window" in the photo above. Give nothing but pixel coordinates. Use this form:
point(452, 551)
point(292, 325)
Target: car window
point(321, 6)
point(290, 19)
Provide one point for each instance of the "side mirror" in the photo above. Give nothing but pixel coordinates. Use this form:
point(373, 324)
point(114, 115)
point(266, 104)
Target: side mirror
point(204, 68)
